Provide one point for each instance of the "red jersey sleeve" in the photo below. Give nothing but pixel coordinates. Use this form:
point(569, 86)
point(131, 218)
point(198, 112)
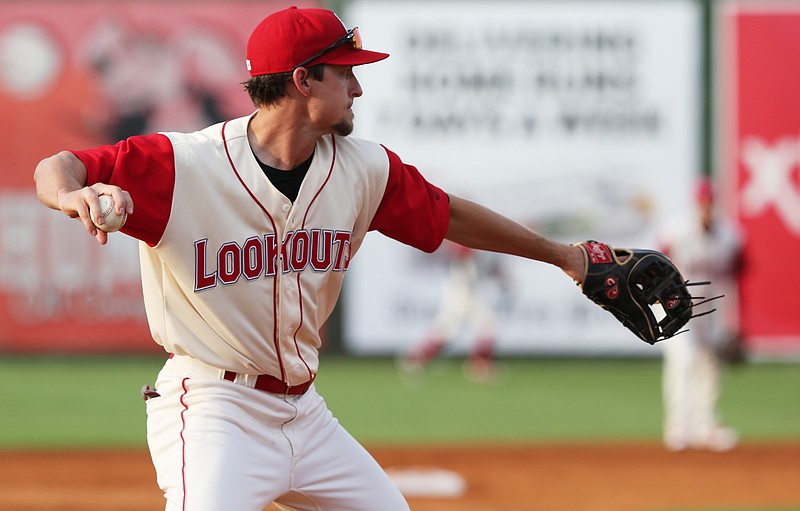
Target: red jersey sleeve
point(144, 166)
point(412, 210)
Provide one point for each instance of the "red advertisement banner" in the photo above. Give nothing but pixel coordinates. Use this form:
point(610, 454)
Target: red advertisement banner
point(81, 74)
point(761, 126)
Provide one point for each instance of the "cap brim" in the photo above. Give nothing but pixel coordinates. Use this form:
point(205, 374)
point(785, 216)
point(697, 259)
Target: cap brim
point(351, 58)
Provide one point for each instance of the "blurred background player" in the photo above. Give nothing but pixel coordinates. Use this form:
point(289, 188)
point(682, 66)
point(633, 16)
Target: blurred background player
point(464, 306)
point(707, 247)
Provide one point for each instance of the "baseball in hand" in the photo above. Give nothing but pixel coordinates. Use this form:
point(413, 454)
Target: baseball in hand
point(112, 221)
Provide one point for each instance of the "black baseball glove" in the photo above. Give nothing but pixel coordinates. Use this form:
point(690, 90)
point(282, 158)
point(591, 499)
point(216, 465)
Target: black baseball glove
point(628, 282)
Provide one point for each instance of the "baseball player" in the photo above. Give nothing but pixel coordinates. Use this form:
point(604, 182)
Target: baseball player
point(707, 247)
point(246, 231)
point(462, 305)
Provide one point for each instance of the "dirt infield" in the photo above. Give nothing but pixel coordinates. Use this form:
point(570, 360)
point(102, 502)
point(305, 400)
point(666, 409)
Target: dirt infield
point(513, 478)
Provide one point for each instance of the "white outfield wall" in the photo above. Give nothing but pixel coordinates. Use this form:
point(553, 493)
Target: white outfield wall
point(580, 119)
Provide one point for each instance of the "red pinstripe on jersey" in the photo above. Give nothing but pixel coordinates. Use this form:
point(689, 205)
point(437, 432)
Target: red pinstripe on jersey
point(275, 326)
point(183, 439)
point(299, 287)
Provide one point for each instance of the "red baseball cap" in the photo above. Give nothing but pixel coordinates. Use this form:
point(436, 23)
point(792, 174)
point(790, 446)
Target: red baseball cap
point(704, 190)
point(296, 37)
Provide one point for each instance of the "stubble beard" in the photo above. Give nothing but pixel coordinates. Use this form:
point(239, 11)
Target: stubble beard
point(343, 127)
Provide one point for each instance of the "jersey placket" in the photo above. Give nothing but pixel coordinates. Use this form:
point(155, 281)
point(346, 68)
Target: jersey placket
point(287, 313)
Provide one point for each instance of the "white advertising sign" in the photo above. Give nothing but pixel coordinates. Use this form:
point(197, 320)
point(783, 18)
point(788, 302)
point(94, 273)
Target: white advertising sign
point(579, 119)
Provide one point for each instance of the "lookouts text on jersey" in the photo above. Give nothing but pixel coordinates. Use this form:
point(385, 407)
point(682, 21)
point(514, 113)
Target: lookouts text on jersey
point(271, 274)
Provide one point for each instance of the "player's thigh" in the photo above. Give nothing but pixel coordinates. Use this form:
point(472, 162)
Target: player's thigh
point(214, 449)
point(334, 472)
point(164, 429)
point(680, 352)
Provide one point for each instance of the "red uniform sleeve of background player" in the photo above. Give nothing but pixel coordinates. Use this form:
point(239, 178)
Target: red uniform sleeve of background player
point(144, 166)
point(412, 210)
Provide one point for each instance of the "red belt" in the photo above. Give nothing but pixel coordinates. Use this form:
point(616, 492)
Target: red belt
point(267, 383)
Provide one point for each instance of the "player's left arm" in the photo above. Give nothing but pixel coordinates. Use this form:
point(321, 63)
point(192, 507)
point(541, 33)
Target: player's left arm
point(479, 227)
point(625, 282)
point(420, 215)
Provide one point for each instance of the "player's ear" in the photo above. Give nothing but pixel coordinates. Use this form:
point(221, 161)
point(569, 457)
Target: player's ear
point(300, 78)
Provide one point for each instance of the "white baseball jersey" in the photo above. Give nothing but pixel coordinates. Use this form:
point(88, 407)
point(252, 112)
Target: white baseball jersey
point(236, 275)
point(708, 256)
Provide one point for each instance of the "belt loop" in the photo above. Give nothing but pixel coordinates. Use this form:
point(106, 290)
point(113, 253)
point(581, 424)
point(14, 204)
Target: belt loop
point(248, 380)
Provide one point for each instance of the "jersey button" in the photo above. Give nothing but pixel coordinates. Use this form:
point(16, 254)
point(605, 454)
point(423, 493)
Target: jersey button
point(286, 207)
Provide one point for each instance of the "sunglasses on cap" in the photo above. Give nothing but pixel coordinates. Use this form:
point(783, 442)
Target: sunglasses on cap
point(352, 36)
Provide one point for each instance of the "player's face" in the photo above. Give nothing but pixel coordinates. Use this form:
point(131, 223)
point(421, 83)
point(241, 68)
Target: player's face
point(706, 213)
point(335, 100)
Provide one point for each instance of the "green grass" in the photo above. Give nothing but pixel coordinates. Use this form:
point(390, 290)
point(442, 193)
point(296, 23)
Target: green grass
point(546, 401)
point(73, 401)
point(51, 402)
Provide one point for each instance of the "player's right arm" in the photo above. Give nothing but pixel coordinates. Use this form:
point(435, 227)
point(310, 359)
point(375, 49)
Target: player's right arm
point(61, 185)
point(140, 168)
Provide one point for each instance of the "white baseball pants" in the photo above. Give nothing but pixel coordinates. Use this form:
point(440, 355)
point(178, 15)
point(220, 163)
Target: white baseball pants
point(221, 446)
point(691, 388)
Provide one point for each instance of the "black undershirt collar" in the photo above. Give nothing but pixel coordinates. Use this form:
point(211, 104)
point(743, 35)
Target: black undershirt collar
point(287, 181)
